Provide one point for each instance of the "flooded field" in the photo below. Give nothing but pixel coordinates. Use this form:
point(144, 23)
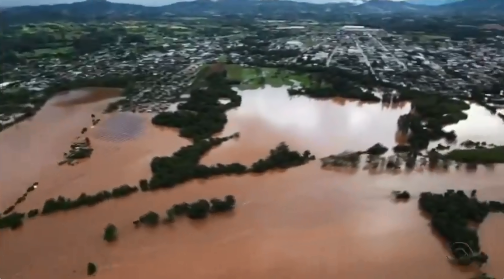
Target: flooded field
point(481, 125)
point(301, 223)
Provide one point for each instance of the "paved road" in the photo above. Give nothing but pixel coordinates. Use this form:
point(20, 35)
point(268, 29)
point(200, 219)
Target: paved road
point(366, 60)
point(330, 57)
point(386, 50)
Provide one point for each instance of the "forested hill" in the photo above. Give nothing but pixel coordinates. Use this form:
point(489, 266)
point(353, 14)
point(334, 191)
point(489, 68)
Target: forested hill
point(101, 9)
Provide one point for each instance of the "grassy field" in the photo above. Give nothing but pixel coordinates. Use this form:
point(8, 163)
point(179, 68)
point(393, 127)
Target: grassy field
point(46, 51)
point(487, 155)
point(253, 78)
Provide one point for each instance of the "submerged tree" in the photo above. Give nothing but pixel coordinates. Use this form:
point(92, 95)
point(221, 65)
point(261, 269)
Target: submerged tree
point(170, 215)
point(151, 218)
point(199, 209)
point(91, 268)
point(464, 255)
point(404, 195)
point(110, 234)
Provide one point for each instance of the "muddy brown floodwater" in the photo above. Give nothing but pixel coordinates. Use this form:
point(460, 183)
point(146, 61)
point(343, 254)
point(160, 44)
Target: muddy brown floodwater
point(301, 223)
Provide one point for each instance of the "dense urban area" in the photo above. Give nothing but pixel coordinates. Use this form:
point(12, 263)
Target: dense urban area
point(158, 61)
point(439, 64)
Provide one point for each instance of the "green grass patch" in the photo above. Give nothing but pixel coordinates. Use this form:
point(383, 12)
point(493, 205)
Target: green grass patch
point(253, 77)
point(223, 58)
point(481, 156)
point(46, 51)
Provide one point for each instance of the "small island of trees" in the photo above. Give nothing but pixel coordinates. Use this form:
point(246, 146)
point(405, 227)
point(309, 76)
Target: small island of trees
point(401, 196)
point(450, 215)
point(184, 165)
point(110, 234)
point(199, 209)
point(202, 115)
point(428, 117)
point(167, 172)
point(91, 269)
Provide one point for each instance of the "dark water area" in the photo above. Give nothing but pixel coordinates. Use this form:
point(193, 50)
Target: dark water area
point(301, 223)
point(120, 127)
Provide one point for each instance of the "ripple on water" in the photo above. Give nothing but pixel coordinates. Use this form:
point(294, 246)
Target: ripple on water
point(120, 127)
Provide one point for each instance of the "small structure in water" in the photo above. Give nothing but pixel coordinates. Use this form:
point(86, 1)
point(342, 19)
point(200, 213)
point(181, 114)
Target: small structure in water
point(78, 150)
point(433, 160)
point(343, 159)
point(464, 255)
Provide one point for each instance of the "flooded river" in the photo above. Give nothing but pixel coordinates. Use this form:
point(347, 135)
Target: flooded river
point(301, 223)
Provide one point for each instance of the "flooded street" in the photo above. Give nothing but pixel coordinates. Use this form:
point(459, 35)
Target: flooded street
point(301, 223)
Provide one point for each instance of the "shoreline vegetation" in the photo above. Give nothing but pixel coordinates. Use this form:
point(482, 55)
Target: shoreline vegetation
point(168, 172)
point(455, 217)
point(204, 114)
point(183, 165)
point(430, 113)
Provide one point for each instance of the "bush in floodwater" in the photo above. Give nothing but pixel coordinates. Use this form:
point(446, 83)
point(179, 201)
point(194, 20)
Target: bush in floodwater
point(8, 210)
point(170, 215)
point(404, 195)
point(181, 208)
point(13, 221)
point(61, 203)
point(21, 199)
point(32, 187)
point(281, 158)
point(144, 185)
point(32, 213)
point(91, 269)
point(110, 234)
point(199, 209)
point(123, 191)
point(223, 205)
point(230, 199)
point(150, 218)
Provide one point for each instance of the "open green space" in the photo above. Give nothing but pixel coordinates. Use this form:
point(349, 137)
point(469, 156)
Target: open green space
point(255, 77)
point(478, 156)
point(46, 51)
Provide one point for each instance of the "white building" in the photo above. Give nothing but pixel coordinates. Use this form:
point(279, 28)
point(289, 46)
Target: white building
point(294, 44)
point(356, 28)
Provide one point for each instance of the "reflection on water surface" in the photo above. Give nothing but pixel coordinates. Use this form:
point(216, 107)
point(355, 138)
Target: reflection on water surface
point(323, 126)
point(480, 125)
